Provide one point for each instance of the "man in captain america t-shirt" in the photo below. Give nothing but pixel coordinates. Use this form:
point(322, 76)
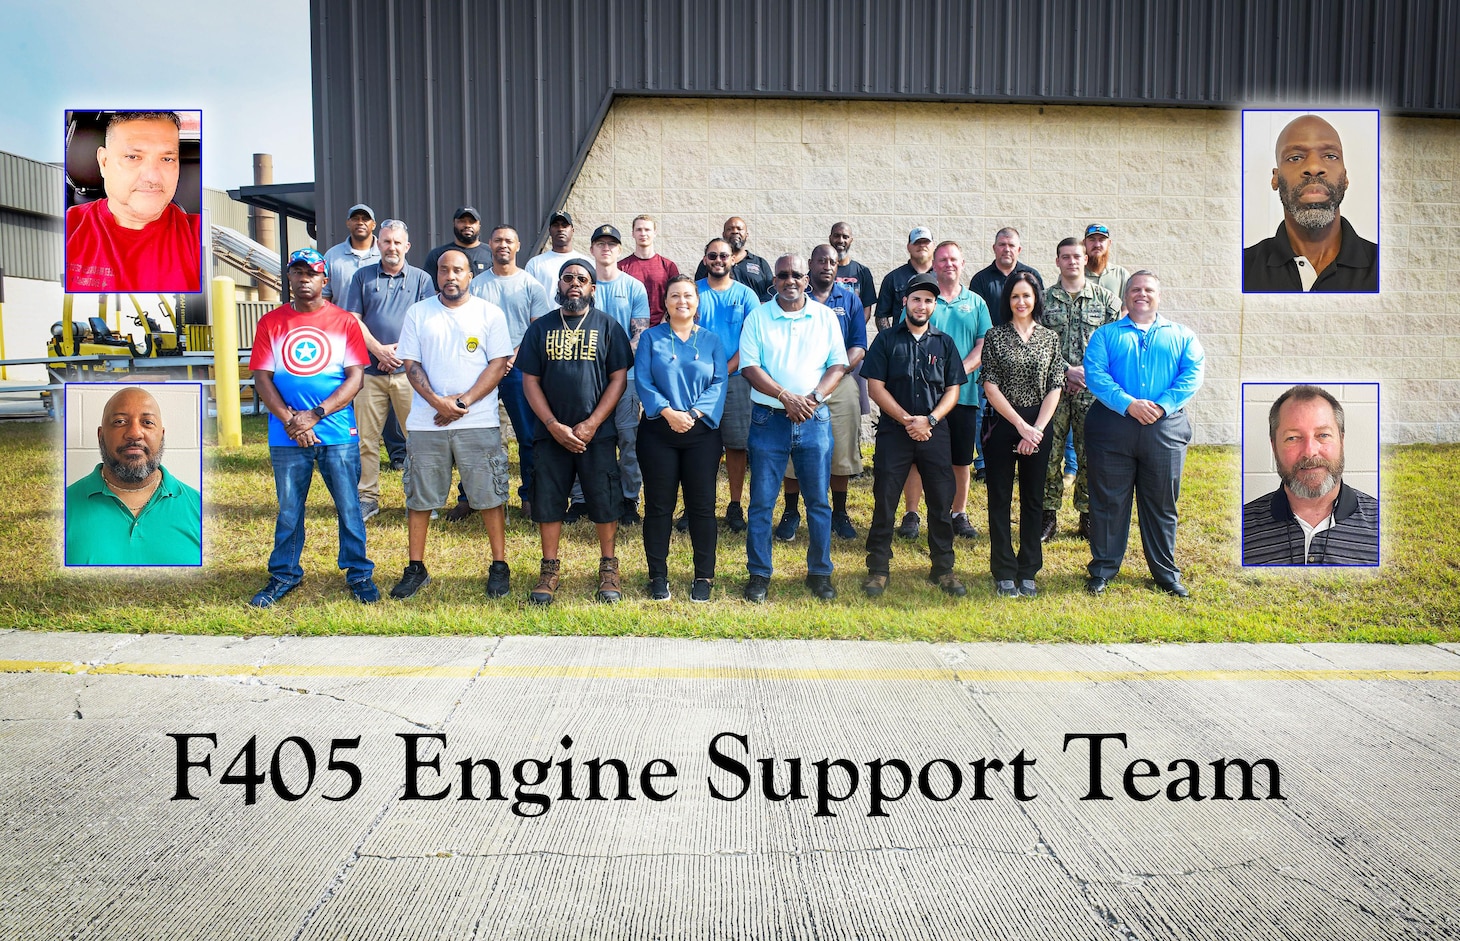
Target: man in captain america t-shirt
point(135, 238)
point(308, 363)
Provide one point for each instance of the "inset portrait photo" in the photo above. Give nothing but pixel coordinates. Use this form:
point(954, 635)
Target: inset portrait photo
point(134, 197)
point(1310, 473)
point(1310, 202)
point(134, 474)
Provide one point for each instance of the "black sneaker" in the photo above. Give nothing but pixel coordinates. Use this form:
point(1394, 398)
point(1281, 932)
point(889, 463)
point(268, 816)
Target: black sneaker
point(575, 512)
point(412, 580)
point(270, 594)
point(735, 518)
point(681, 525)
point(630, 515)
point(659, 588)
point(962, 528)
point(365, 591)
point(701, 590)
point(499, 580)
point(786, 528)
point(908, 528)
point(841, 526)
point(757, 588)
point(821, 587)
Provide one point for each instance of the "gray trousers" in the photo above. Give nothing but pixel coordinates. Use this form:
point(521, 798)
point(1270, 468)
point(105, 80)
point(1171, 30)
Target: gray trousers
point(1129, 459)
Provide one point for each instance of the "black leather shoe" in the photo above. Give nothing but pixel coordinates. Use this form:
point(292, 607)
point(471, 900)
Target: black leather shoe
point(1096, 585)
point(756, 589)
point(1174, 588)
point(1051, 525)
point(1083, 530)
point(821, 587)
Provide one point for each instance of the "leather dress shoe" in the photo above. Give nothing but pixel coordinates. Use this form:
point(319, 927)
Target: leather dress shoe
point(1174, 588)
point(1096, 585)
point(1051, 525)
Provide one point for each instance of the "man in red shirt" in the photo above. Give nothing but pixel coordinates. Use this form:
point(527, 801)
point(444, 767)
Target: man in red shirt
point(136, 239)
point(648, 267)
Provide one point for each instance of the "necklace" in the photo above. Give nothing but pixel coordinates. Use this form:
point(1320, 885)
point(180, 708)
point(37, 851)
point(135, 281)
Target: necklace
point(575, 334)
point(694, 341)
point(113, 485)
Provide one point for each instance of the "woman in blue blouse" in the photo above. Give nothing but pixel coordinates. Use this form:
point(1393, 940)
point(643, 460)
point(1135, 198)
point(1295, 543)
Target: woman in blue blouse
point(679, 369)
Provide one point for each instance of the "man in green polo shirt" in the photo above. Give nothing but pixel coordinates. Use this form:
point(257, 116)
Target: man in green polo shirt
point(129, 510)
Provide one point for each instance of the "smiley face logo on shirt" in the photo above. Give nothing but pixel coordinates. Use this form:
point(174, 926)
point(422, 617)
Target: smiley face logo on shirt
point(472, 343)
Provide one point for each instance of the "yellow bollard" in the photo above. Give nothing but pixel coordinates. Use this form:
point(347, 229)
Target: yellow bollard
point(225, 364)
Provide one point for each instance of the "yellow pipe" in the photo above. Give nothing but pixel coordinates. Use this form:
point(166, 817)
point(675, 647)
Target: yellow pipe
point(225, 363)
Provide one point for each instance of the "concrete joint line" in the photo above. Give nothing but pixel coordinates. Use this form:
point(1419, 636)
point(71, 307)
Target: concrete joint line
point(299, 690)
point(343, 871)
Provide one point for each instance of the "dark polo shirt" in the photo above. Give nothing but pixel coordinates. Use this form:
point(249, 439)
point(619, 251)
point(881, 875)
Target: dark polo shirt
point(1270, 267)
point(1271, 535)
point(916, 372)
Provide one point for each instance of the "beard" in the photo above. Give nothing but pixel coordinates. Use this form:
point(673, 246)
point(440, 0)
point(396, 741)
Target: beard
point(574, 305)
point(132, 471)
point(1312, 215)
point(1295, 485)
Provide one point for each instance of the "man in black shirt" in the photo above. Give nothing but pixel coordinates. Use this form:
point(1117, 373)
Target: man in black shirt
point(913, 373)
point(989, 283)
point(575, 366)
point(851, 272)
point(1315, 249)
point(894, 285)
point(746, 267)
point(467, 226)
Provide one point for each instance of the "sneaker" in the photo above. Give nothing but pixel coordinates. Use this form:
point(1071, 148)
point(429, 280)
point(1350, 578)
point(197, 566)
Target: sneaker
point(701, 590)
point(841, 526)
point(575, 512)
point(630, 515)
point(949, 584)
point(980, 475)
point(1027, 588)
point(786, 528)
point(368, 509)
point(735, 518)
point(875, 584)
point(962, 527)
point(908, 528)
point(499, 580)
point(659, 588)
point(397, 464)
point(681, 525)
point(757, 588)
point(547, 583)
point(1005, 589)
point(457, 513)
point(610, 591)
point(821, 587)
point(365, 591)
point(412, 580)
point(271, 593)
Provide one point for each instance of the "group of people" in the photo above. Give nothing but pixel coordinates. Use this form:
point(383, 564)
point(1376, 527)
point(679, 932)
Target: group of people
point(622, 374)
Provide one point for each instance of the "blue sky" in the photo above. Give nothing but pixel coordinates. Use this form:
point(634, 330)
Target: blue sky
point(245, 64)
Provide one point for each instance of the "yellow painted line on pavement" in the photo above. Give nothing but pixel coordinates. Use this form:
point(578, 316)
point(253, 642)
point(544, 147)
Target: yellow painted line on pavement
point(814, 674)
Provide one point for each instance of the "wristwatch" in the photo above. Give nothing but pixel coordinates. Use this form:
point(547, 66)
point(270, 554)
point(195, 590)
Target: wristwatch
point(462, 405)
point(318, 411)
point(932, 420)
point(817, 397)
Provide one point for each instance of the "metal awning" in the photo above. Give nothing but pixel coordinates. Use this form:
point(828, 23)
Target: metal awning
point(288, 201)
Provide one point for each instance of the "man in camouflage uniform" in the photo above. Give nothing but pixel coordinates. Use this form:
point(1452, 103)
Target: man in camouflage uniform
point(1074, 308)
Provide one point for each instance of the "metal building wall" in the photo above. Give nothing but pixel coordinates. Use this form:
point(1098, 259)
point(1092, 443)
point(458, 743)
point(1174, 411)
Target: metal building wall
point(30, 219)
point(421, 105)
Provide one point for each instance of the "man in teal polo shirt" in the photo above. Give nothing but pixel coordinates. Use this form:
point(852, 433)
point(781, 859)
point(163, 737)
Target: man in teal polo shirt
point(129, 510)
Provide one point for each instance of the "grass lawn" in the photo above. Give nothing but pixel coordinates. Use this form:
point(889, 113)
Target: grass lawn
point(1414, 597)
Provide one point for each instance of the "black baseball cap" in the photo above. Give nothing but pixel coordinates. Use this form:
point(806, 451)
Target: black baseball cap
point(467, 211)
point(606, 232)
point(927, 281)
point(560, 216)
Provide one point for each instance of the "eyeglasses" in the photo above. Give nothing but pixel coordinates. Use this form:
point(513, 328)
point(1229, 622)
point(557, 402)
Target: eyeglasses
point(575, 279)
point(790, 275)
point(717, 256)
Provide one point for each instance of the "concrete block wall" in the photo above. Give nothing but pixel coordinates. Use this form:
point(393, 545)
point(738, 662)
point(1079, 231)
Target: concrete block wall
point(1166, 181)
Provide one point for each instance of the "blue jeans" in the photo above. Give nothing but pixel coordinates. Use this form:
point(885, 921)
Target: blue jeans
point(774, 440)
point(524, 426)
point(339, 465)
point(1072, 463)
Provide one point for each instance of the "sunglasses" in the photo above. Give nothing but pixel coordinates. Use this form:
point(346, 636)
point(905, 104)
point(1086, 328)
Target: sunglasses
point(717, 256)
point(790, 275)
point(575, 279)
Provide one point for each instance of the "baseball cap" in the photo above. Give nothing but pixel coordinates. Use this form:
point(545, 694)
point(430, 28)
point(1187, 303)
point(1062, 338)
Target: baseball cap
point(1096, 229)
point(361, 207)
point(560, 216)
point(606, 232)
point(308, 257)
point(920, 233)
point(592, 275)
point(927, 281)
point(467, 211)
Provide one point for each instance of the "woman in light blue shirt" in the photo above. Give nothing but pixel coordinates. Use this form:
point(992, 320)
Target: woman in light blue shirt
point(679, 370)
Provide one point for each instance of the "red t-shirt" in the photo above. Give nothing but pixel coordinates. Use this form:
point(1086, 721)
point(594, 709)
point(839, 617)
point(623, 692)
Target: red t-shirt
point(654, 273)
point(160, 257)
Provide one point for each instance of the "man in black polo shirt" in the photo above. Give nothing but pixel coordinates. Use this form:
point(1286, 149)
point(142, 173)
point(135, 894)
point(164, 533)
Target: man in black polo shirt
point(989, 283)
point(894, 286)
point(913, 373)
point(746, 267)
point(467, 228)
point(1315, 249)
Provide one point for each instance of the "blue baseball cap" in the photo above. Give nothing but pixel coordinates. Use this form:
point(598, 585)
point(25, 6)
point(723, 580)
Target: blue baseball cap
point(309, 258)
point(1097, 229)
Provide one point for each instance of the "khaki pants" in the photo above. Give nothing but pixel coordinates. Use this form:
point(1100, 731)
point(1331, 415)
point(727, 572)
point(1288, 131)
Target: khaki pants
point(376, 397)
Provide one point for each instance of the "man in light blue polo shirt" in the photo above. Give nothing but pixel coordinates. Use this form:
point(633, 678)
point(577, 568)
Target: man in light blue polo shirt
point(792, 353)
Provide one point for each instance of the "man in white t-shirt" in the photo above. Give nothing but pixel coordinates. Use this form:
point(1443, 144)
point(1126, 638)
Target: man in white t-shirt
point(545, 267)
point(455, 348)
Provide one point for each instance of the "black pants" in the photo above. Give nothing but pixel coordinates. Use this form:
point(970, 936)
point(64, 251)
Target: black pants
point(1128, 459)
point(999, 462)
point(896, 453)
point(671, 461)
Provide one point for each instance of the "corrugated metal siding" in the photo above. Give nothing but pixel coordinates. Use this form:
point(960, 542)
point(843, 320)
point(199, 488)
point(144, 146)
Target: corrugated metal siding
point(30, 246)
point(30, 186)
point(422, 106)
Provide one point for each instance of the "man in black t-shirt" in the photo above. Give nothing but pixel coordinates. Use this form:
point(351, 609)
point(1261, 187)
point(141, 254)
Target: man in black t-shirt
point(467, 226)
point(749, 269)
point(575, 363)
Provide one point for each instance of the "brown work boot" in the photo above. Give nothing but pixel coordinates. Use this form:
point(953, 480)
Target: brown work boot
point(1051, 525)
point(875, 584)
point(1083, 530)
point(609, 589)
point(950, 584)
point(456, 514)
point(547, 583)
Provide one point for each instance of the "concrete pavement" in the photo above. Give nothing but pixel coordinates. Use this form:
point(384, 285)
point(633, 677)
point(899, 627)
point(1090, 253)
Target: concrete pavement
point(1346, 755)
